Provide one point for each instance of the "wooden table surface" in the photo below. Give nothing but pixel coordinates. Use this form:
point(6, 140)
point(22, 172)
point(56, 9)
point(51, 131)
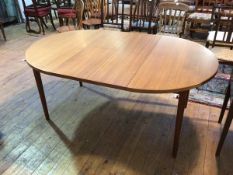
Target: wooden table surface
point(130, 61)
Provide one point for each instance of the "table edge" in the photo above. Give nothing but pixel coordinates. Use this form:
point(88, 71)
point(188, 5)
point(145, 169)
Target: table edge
point(121, 87)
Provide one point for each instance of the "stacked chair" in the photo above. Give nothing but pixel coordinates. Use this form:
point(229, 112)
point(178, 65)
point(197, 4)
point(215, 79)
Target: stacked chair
point(221, 35)
point(143, 16)
point(92, 14)
point(201, 17)
point(221, 26)
point(70, 11)
point(114, 12)
point(172, 17)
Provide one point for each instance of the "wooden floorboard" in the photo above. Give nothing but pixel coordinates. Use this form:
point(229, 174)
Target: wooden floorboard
point(96, 130)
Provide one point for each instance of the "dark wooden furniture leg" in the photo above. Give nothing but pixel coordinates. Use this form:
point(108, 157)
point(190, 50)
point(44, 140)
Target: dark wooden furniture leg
point(51, 19)
point(224, 106)
point(3, 32)
point(41, 23)
point(187, 99)
point(183, 97)
point(41, 92)
point(80, 83)
point(225, 129)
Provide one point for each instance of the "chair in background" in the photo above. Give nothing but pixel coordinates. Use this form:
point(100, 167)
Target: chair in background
point(65, 11)
point(37, 12)
point(2, 30)
point(200, 19)
point(190, 3)
point(68, 11)
point(143, 16)
point(172, 17)
point(114, 12)
point(222, 27)
point(92, 14)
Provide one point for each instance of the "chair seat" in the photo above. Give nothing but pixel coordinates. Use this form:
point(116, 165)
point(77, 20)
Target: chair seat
point(220, 36)
point(200, 16)
point(42, 11)
point(142, 24)
point(223, 54)
point(65, 29)
point(173, 29)
point(91, 21)
point(66, 12)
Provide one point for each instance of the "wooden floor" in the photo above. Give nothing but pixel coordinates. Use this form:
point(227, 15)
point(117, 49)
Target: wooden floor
point(96, 130)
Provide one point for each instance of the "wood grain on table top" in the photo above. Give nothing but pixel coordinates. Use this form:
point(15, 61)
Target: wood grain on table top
point(131, 61)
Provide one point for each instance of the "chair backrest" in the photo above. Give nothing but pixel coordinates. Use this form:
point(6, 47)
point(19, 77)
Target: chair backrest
point(206, 5)
point(172, 17)
point(143, 14)
point(222, 24)
point(111, 11)
point(65, 3)
point(92, 9)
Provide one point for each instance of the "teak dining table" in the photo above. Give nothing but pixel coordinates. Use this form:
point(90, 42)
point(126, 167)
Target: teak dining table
point(129, 61)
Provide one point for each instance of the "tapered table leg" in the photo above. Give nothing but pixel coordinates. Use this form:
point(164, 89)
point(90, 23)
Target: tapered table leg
point(225, 129)
point(183, 98)
point(80, 83)
point(41, 92)
point(187, 98)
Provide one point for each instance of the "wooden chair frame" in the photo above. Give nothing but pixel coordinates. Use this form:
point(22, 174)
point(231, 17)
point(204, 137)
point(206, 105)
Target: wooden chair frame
point(143, 15)
point(112, 12)
point(222, 23)
point(172, 16)
point(228, 119)
point(36, 17)
point(78, 7)
point(92, 14)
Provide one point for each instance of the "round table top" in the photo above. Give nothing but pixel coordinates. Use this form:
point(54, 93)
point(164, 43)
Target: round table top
point(124, 60)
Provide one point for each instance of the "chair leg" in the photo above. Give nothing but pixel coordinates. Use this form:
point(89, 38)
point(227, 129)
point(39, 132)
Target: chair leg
point(154, 30)
point(67, 21)
point(46, 19)
point(41, 23)
point(80, 83)
point(51, 19)
point(27, 23)
point(207, 44)
point(74, 23)
point(225, 130)
point(224, 106)
point(60, 21)
point(28, 27)
point(44, 23)
point(3, 32)
point(55, 13)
